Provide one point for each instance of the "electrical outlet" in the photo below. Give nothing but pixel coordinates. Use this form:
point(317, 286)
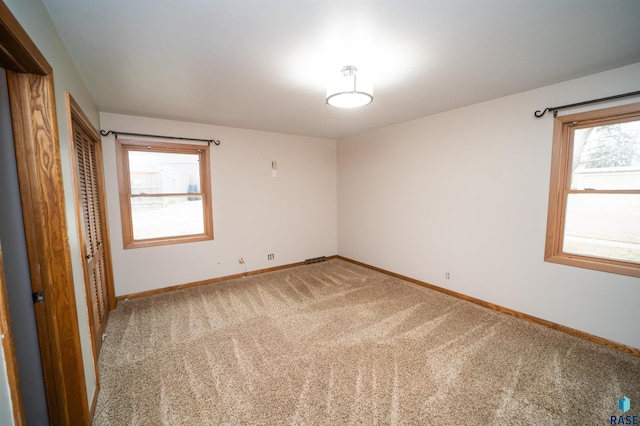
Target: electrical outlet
point(447, 275)
point(241, 260)
point(270, 256)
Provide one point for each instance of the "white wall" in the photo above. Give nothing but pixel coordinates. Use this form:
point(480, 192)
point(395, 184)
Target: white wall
point(34, 18)
point(466, 192)
point(292, 215)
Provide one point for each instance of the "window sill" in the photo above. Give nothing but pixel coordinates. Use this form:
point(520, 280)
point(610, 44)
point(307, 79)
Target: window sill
point(603, 265)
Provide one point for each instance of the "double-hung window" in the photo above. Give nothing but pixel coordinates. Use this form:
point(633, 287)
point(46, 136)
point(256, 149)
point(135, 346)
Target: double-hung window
point(594, 202)
point(165, 194)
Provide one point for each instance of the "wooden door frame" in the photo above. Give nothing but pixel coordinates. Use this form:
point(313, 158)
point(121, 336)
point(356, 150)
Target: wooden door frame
point(35, 131)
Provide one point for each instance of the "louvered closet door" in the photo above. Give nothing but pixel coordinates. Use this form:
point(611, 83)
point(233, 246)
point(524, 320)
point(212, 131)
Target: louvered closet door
point(93, 238)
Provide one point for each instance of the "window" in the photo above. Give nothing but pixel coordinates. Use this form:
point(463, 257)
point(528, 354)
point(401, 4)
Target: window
point(165, 195)
point(594, 200)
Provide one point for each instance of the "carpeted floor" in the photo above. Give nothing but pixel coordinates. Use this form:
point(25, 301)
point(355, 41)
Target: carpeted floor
point(336, 343)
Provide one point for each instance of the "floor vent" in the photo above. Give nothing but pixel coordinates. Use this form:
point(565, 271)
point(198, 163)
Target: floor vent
point(315, 260)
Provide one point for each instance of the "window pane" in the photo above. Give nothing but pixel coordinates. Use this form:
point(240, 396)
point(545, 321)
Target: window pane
point(158, 217)
point(163, 173)
point(603, 225)
point(607, 157)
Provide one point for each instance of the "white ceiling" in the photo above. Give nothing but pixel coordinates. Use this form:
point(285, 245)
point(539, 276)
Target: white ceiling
point(264, 64)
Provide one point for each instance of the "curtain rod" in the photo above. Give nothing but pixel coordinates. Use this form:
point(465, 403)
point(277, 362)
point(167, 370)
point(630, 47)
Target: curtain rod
point(116, 133)
point(593, 101)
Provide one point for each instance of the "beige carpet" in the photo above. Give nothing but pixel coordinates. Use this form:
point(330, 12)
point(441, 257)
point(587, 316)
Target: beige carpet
point(336, 343)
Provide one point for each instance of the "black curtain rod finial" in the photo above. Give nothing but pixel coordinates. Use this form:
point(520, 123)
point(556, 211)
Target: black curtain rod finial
point(539, 113)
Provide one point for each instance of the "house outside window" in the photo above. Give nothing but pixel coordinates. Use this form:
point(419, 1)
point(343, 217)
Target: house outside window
point(165, 194)
point(594, 202)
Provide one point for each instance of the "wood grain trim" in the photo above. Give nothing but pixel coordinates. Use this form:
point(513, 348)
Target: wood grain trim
point(17, 50)
point(593, 117)
point(73, 115)
point(561, 164)
point(554, 215)
point(40, 180)
point(123, 146)
point(530, 318)
point(207, 193)
point(8, 347)
point(20, 93)
point(122, 162)
point(77, 114)
point(210, 281)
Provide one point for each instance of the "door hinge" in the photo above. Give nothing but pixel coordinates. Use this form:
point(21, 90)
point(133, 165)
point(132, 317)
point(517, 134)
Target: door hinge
point(38, 296)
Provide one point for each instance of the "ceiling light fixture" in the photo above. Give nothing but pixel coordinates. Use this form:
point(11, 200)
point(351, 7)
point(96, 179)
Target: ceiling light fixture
point(349, 91)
